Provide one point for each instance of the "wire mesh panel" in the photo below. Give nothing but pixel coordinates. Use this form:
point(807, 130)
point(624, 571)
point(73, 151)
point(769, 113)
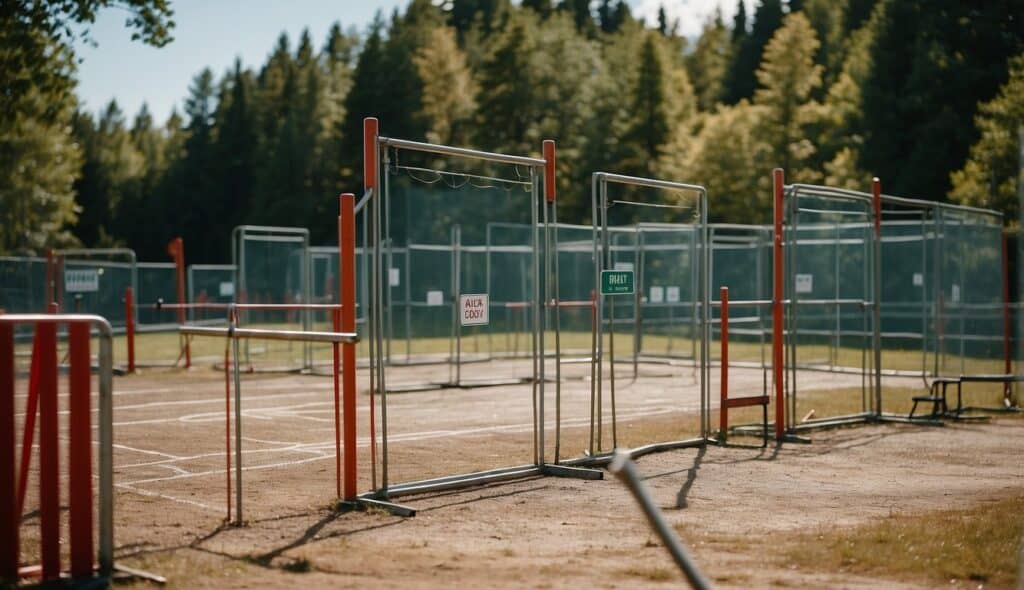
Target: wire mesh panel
point(464, 227)
point(273, 268)
point(971, 321)
point(651, 371)
point(741, 261)
point(829, 264)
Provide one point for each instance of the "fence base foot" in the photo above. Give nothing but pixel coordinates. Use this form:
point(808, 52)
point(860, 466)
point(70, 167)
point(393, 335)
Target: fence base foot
point(364, 503)
point(125, 573)
point(573, 472)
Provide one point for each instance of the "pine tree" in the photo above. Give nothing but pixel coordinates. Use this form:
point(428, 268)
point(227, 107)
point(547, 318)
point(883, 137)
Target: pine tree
point(543, 8)
point(788, 76)
point(990, 176)
point(361, 102)
point(919, 104)
point(506, 96)
point(708, 63)
point(110, 165)
point(651, 126)
point(40, 156)
point(739, 23)
point(742, 79)
point(448, 88)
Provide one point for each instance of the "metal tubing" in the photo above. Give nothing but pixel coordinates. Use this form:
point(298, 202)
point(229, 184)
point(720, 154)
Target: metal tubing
point(80, 452)
point(10, 519)
point(777, 312)
point(262, 334)
point(238, 425)
point(461, 152)
point(347, 271)
point(538, 317)
point(624, 468)
point(49, 453)
point(876, 308)
point(129, 322)
point(723, 411)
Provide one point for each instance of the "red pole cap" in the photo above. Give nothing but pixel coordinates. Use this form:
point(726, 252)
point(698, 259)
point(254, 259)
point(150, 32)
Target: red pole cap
point(370, 132)
point(550, 159)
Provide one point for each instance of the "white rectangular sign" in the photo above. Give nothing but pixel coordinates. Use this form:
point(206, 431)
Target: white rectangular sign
point(804, 283)
point(623, 266)
point(672, 294)
point(394, 277)
point(918, 279)
point(227, 289)
point(473, 309)
point(435, 298)
point(956, 293)
point(657, 295)
point(82, 281)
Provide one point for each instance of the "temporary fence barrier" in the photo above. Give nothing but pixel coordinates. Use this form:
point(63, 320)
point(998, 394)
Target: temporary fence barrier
point(440, 199)
point(273, 267)
point(90, 535)
point(650, 236)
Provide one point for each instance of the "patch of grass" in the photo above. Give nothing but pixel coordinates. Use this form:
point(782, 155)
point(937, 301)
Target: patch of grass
point(978, 543)
point(654, 574)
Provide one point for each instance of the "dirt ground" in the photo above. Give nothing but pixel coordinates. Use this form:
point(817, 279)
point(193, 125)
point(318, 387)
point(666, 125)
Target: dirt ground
point(733, 505)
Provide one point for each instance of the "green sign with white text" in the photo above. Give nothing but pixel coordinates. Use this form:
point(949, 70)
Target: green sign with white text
point(616, 282)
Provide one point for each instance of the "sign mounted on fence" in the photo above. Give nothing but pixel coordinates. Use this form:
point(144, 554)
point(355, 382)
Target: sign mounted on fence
point(673, 294)
point(804, 283)
point(918, 279)
point(226, 289)
point(473, 309)
point(394, 277)
point(82, 281)
point(616, 282)
point(657, 295)
point(435, 298)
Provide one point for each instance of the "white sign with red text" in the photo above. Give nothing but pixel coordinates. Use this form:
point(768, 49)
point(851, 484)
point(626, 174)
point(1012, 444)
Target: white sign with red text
point(473, 309)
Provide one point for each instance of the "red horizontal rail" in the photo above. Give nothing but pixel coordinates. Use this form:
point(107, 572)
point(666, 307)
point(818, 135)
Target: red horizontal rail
point(744, 402)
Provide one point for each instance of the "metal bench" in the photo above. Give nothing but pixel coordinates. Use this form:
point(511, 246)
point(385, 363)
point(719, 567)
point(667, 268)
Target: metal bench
point(938, 389)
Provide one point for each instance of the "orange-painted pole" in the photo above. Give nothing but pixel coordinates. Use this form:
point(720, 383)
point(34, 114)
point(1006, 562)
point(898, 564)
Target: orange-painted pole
point(780, 402)
point(10, 518)
point(371, 175)
point(129, 326)
point(176, 249)
point(1007, 325)
point(51, 279)
point(49, 453)
point(550, 160)
point(336, 365)
point(724, 381)
point(80, 452)
point(347, 260)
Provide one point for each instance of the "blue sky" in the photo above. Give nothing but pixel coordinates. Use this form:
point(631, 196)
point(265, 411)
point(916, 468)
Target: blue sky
point(212, 33)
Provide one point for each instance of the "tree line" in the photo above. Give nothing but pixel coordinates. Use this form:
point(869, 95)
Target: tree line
point(926, 94)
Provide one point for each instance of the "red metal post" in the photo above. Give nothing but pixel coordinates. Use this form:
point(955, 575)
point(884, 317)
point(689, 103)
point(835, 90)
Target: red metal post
point(777, 344)
point(176, 249)
point(49, 453)
point(724, 411)
point(51, 274)
point(129, 326)
point(370, 177)
point(80, 452)
point(876, 198)
point(1007, 324)
point(336, 322)
point(347, 261)
point(9, 515)
point(550, 160)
